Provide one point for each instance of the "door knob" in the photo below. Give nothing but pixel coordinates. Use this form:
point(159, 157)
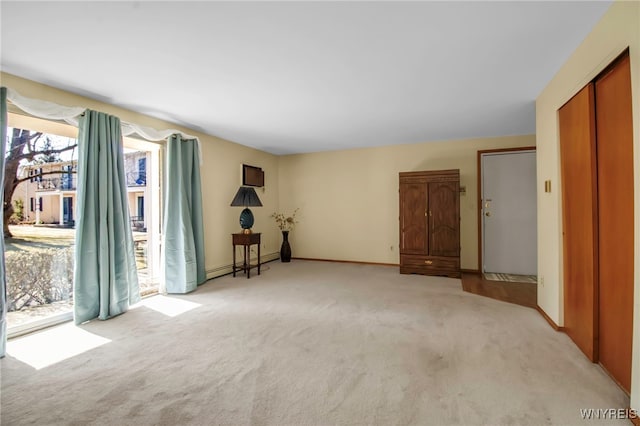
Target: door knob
point(487, 214)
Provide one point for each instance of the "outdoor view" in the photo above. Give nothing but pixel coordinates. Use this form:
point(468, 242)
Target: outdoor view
point(39, 224)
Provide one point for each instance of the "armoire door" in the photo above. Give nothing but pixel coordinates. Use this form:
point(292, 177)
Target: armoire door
point(444, 219)
point(615, 220)
point(579, 220)
point(413, 220)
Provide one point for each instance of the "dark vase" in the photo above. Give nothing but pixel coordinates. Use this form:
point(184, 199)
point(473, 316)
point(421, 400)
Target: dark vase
point(285, 250)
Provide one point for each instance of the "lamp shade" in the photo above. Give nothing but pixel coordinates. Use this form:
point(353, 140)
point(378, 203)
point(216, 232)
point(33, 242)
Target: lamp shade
point(246, 197)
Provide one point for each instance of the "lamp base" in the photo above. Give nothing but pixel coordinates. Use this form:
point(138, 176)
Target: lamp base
point(246, 220)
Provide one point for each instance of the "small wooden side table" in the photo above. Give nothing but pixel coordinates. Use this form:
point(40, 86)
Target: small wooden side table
point(245, 240)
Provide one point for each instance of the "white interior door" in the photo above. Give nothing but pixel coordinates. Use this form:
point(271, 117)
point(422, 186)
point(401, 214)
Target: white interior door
point(509, 212)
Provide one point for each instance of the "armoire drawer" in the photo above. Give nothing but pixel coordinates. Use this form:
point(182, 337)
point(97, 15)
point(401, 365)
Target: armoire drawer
point(428, 262)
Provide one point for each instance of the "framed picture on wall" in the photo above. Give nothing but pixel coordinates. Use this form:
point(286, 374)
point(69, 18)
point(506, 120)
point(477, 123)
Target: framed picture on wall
point(252, 176)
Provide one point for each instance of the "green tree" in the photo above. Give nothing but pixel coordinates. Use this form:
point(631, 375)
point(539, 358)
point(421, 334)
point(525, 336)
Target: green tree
point(24, 147)
point(18, 211)
point(47, 154)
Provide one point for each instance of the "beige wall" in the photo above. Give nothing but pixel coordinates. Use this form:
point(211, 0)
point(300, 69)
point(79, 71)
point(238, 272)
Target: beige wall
point(617, 30)
point(348, 199)
point(220, 175)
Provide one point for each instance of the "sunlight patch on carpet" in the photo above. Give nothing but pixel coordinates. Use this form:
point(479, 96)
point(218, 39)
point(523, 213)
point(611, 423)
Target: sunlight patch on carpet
point(169, 306)
point(53, 345)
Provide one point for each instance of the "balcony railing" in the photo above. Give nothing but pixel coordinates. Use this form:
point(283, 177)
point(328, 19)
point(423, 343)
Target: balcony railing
point(137, 223)
point(136, 179)
point(68, 182)
point(64, 183)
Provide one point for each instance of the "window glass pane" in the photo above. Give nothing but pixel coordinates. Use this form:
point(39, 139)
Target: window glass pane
point(140, 192)
point(40, 236)
point(40, 248)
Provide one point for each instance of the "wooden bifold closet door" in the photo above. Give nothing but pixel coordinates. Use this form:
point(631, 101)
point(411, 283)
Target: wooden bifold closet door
point(596, 148)
point(579, 220)
point(614, 135)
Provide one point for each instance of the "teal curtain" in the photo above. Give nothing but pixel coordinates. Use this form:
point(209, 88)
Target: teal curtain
point(105, 277)
point(3, 277)
point(183, 248)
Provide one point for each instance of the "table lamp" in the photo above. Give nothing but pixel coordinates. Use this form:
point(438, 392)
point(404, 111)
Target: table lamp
point(246, 197)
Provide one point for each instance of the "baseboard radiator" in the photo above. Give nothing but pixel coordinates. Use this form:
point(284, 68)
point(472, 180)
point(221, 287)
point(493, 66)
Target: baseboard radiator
point(227, 269)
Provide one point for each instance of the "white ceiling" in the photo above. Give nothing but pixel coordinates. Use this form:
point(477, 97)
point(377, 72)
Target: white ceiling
point(290, 77)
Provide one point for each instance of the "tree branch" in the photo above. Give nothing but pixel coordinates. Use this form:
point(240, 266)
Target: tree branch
point(36, 135)
point(33, 140)
point(30, 155)
point(20, 139)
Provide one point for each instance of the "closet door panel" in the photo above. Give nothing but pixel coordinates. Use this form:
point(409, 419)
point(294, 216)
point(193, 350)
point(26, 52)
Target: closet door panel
point(579, 220)
point(615, 220)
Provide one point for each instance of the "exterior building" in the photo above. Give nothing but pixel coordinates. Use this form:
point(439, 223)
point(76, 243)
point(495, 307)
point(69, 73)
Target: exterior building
point(51, 198)
point(135, 171)
point(48, 198)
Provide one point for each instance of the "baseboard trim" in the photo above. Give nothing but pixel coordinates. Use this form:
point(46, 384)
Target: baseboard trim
point(359, 262)
point(356, 262)
point(549, 320)
point(228, 269)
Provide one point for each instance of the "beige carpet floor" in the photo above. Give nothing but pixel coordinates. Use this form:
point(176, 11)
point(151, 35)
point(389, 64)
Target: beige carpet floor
point(307, 343)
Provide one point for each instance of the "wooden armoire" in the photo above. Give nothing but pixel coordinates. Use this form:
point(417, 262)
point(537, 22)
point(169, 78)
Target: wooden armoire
point(430, 223)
